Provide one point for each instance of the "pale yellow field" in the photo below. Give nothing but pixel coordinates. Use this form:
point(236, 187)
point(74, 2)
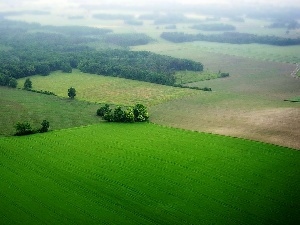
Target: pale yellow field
point(102, 89)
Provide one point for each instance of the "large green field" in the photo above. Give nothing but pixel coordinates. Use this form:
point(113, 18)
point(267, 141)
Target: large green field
point(146, 174)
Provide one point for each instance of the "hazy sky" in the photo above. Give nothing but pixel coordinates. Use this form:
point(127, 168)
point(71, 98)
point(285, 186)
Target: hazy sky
point(4, 4)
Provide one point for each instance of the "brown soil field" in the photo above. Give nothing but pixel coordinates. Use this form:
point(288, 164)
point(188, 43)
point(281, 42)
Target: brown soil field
point(249, 104)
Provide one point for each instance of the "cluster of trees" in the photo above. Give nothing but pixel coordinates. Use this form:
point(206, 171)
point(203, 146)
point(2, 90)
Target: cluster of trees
point(214, 27)
point(128, 39)
point(6, 80)
point(142, 65)
point(31, 53)
point(230, 37)
point(26, 129)
point(137, 113)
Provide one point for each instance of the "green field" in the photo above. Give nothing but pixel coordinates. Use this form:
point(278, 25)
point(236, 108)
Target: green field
point(286, 54)
point(183, 77)
point(102, 89)
point(20, 106)
point(146, 174)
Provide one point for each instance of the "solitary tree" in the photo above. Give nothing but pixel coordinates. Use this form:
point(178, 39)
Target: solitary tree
point(71, 92)
point(13, 83)
point(45, 126)
point(27, 84)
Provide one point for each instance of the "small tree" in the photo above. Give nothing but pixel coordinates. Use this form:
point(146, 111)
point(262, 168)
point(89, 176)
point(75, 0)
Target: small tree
point(129, 115)
point(104, 109)
point(119, 114)
point(13, 83)
point(45, 126)
point(109, 116)
point(27, 84)
point(140, 113)
point(71, 92)
point(23, 129)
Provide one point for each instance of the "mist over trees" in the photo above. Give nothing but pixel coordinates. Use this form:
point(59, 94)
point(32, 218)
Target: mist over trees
point(41, 52)
point(230, 37)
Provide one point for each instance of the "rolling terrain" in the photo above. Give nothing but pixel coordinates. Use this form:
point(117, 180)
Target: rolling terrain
point(249, 103)
point(226, 156)
point(145, 174)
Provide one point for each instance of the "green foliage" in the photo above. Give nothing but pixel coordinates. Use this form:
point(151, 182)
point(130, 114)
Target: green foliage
point(23, 129)
point(146, 174)
point(13, 83)
point(8, 81)
point(43, 92)
point(45, 126)
point(118, 114)
point(143, 66)
point(71, 92)
point(27, 84)
point(104, 109)
point(34, 53)
point(129, 115)
point(66, 68)
point(109, 116)
point(26, 129)
point(138, 113)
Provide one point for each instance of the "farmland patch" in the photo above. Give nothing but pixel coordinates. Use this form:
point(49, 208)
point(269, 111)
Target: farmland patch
point(21, 106)
point(146, 174)
point(103, 89)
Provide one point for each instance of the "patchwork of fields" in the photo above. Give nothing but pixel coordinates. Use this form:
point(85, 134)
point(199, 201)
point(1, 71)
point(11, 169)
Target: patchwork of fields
point(87, 171)
point(145, 174)
point(249, 103)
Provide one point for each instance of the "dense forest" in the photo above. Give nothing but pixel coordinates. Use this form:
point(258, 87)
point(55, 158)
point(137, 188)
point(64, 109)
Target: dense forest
point(63, 48)
point(230, 37)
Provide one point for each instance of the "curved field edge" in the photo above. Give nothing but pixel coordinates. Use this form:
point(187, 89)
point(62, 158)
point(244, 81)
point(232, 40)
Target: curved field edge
point(146, 174)
point(20, 106)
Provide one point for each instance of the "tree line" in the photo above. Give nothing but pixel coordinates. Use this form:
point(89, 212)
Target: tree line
point(31, 53)
point(230, 37)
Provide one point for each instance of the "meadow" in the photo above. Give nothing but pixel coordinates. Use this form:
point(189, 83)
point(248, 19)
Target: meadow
point(20, 106)
point(103, 89)
point(145, 174)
